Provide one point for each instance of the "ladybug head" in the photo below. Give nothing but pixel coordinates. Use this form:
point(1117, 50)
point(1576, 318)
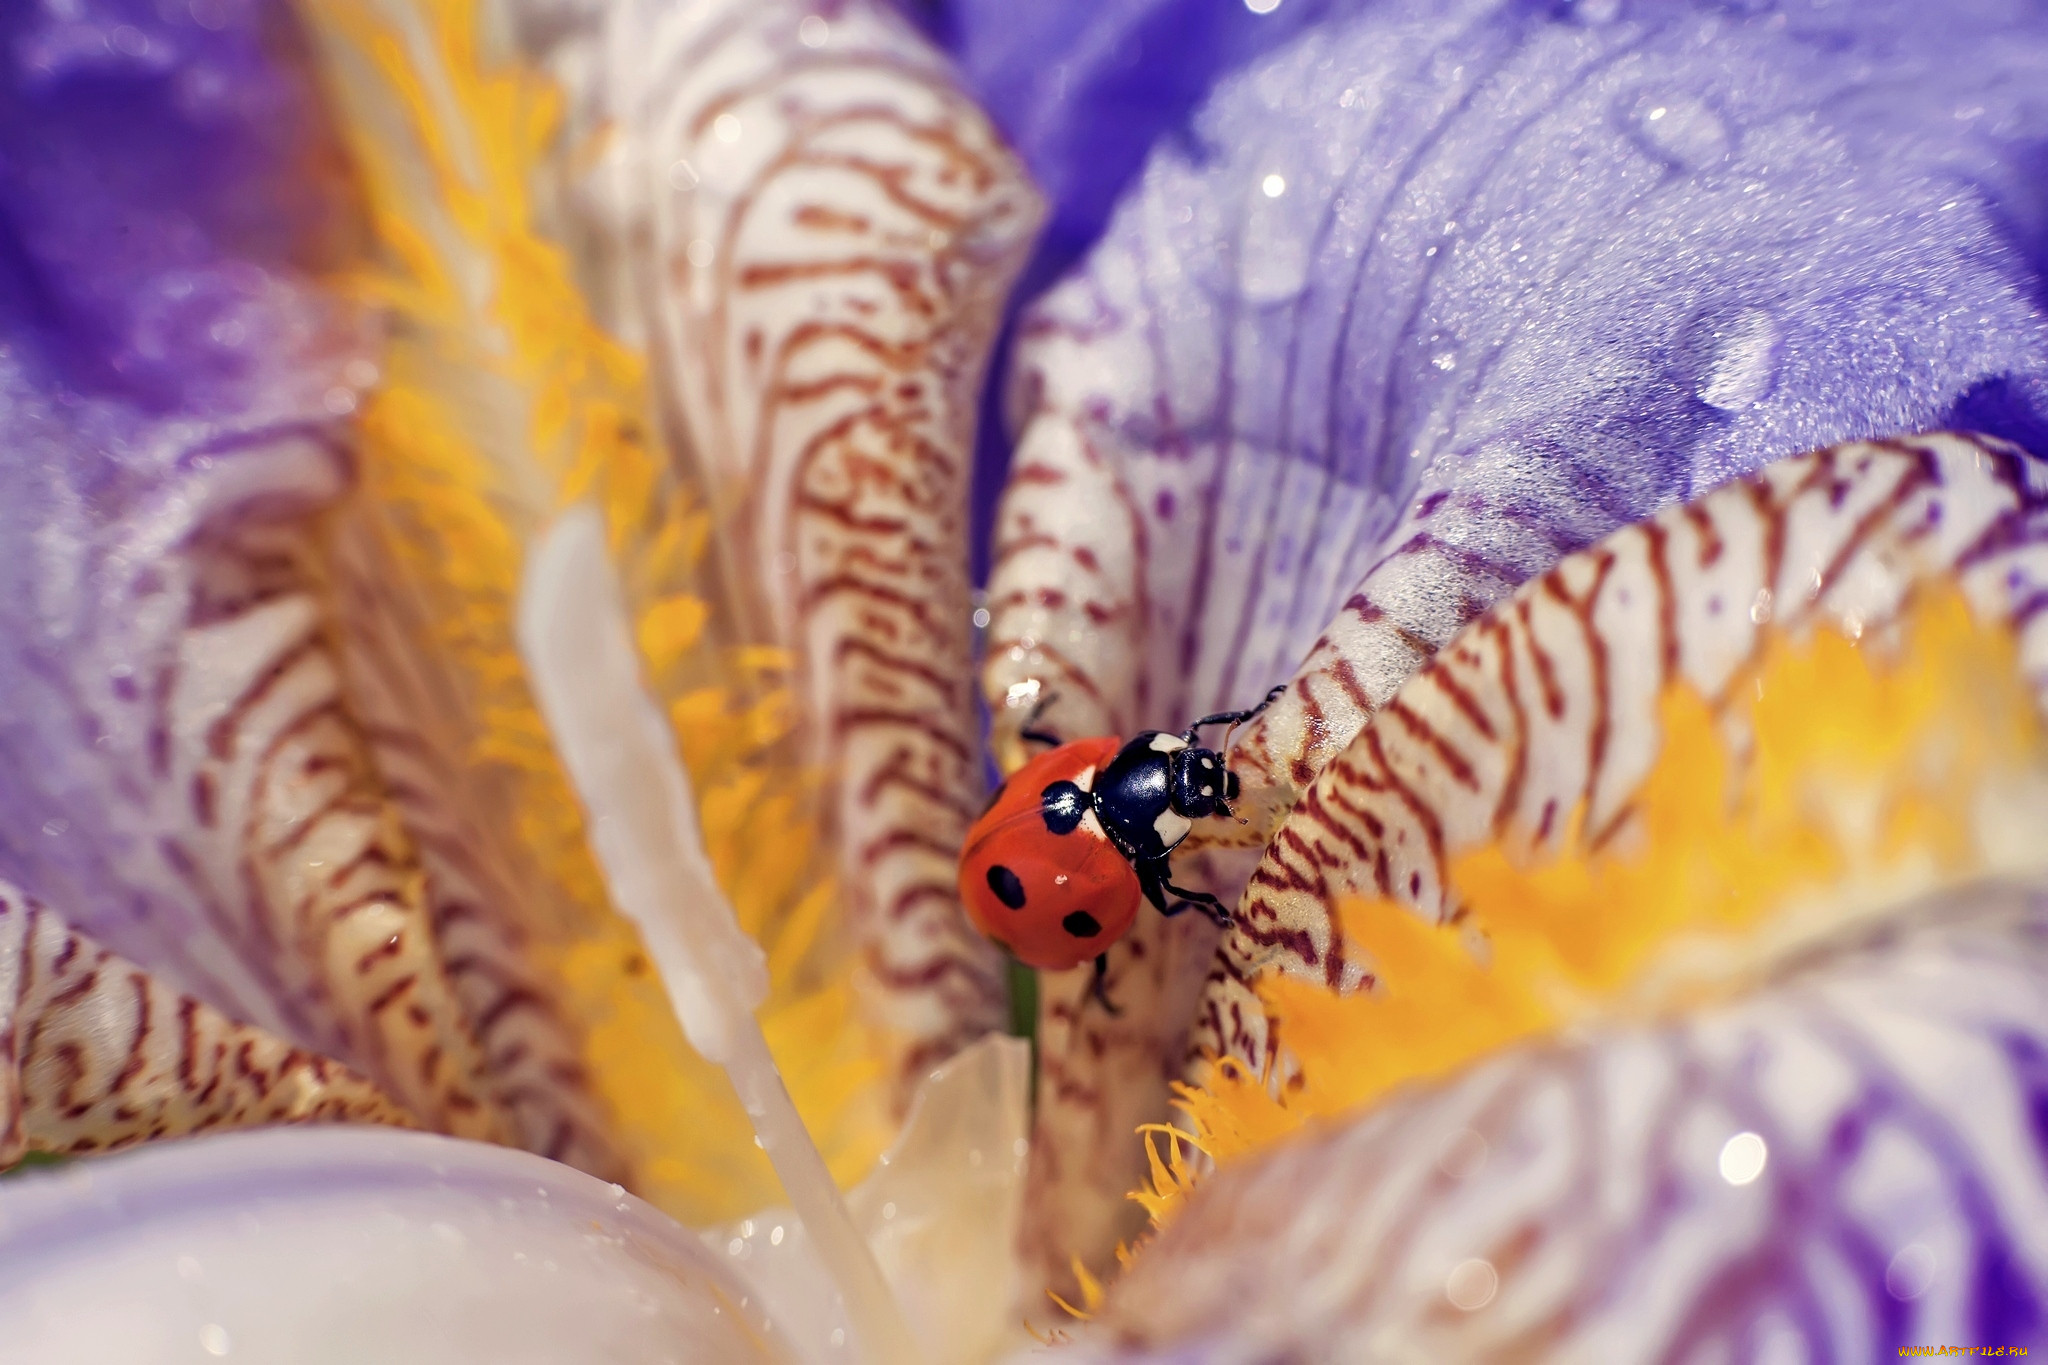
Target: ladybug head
point(1198, 784)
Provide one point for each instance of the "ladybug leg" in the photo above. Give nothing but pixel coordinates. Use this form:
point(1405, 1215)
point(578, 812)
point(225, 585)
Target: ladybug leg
point(1153, 880)
point(1203, 901)
point(1100, 987)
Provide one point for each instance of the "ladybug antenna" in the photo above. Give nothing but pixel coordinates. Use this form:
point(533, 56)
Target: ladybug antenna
point(1032, 732)
point(1233, 718)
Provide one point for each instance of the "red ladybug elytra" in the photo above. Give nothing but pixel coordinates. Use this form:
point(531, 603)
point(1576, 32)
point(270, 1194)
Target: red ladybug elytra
point(1055, 867)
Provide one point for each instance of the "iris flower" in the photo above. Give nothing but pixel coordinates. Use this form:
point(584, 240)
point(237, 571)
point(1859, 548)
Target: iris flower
point(492, 496)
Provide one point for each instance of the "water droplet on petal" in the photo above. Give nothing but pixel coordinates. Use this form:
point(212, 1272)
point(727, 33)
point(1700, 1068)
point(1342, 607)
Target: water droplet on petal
point(1273, 258)
point(1742, 1158)
point(1471, 1284)
point(1911, 1272)
point(1262, 6)
point(1743, 368)
point(213, 1339)
point(726, 128)
point(1682, 131)
point(813, 31)
point(1464, 1152)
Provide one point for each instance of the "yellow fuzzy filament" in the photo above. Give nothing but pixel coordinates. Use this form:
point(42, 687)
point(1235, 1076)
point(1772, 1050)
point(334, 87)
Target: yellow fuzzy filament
point(500, 403)
point(1092, 1293)
point(1834, 781)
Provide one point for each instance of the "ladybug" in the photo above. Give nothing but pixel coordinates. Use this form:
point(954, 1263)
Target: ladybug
point(1056, 865)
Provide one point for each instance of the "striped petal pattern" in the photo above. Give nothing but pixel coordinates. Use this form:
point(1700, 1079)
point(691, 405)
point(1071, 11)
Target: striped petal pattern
point(1430, 298)
point(813, 231)
point(1840, 1165)
point(1538, 726)
point(97, 1054)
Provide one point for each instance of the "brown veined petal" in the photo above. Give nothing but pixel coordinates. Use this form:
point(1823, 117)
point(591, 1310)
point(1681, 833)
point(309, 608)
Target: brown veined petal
point(1837, 1163)
point(496, 401)
point(294, 841)
point(1428, 296)
point(483, 891)
point(222, 822)
point(184, 773)
point(502, 399)
point(1099, 1077)
point(95, 1053)
point(812, 230)
point(1541, 718)
point(1417, 308)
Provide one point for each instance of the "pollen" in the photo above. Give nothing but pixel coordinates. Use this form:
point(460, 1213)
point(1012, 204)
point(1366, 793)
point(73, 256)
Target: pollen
point(493, 323)
point(1835, 781)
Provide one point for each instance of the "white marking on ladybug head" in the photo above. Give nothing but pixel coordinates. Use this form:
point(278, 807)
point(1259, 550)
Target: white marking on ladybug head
point(1172, 827)
point(1092, 825)
point(1208, 790)
point(1085, 779)
point(1167, 744)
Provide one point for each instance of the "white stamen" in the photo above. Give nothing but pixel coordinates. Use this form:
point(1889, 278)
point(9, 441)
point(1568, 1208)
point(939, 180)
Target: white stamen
point(576, 640)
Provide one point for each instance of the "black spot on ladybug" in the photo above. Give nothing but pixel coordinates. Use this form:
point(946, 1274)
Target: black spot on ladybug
point(1063, 804)
point(1008, 889)
point(1081, 924)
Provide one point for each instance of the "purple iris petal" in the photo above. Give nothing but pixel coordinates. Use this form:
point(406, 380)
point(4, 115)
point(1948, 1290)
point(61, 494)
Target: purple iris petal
point(169, 377)
point(1084, 91)
point(159, 164)
point(1438, 293)
point(358, 1244)
point(1845, 1163)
